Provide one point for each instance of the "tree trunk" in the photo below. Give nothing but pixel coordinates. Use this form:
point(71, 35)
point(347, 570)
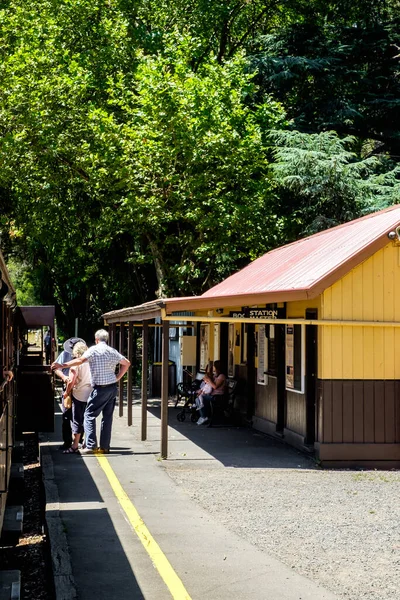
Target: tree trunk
point(158, 265)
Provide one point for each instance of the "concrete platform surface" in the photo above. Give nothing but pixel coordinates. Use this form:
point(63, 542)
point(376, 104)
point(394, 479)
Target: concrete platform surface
point(96, 552)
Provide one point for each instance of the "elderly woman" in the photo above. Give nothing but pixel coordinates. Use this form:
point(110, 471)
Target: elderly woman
point(79, 388)
point(217, 383)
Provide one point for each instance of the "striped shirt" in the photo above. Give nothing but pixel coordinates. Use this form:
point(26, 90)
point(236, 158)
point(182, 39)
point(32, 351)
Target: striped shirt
point(102, 361)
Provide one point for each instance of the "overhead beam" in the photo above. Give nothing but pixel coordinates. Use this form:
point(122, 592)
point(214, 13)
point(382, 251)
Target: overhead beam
point(288, 321)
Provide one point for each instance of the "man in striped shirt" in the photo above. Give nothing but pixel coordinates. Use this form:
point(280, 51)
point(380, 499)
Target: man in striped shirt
point(103, 361)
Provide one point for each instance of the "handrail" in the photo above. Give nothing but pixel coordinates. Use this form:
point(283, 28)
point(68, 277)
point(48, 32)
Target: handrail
point(9, 377)
point(3, 384)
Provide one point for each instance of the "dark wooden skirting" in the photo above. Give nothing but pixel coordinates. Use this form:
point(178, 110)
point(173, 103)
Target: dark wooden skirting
point(384, 465)
point(358, 412)
point(358, 452)
point(290, 437)
point(294, 439)
point(264, 425)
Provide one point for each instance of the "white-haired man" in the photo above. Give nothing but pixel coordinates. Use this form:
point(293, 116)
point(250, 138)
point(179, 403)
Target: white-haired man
point(103, 361)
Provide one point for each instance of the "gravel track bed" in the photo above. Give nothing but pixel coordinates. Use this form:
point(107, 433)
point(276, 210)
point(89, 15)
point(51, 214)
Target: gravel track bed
point(339, 528)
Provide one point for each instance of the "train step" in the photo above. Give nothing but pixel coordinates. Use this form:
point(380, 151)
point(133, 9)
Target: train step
point(18, 451)
point(10, 585)
point(17, 484)
point(13, 524)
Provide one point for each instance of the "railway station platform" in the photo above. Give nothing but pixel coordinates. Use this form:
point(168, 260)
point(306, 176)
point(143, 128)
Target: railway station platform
point(121, 528)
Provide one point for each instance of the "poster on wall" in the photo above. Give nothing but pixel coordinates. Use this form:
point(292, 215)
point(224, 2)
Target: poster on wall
point(231, 350)
point(216, 341)
point(290, 357)
point(204, 346)
point(262, 353)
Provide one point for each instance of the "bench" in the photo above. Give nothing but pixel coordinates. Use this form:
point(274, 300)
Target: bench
point(222, 407)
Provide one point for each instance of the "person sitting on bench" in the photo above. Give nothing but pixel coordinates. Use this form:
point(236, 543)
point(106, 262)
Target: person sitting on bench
point(204, 390)
point(217, 383)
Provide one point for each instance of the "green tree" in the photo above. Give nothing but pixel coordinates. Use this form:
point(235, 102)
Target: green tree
point(335, 66)
point(198, 180)
point(21, 276)
point(323, 183)
point(127, 171)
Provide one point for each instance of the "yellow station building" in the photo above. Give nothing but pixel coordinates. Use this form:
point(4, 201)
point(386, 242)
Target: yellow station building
point(310, 332)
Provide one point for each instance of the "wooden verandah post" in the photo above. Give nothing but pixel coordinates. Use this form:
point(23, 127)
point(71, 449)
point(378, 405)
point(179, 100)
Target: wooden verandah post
point(130, 371)
point(145, 346)
point(121, 381)
point(164, 389)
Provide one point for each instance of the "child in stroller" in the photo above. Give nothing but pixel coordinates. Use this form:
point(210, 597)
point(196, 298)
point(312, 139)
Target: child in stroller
point(205, 388)
point(193, 395)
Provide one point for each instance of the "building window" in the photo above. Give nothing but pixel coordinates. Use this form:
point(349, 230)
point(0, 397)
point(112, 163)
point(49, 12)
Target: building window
point(295, 358)
point(174, 334)
point(262, 353)
point(270, 330)
point(216, 341)
point(204, 346)
point(231, 350)
point(243, 349)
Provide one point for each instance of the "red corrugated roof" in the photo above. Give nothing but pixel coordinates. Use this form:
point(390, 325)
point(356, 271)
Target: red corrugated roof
point(311, 264)
point(297, 271)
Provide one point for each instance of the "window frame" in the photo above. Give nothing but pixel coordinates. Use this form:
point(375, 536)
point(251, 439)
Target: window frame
point(302, 358)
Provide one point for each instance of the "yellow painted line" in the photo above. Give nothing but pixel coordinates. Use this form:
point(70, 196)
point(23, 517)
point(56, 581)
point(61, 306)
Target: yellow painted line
point(160, 561)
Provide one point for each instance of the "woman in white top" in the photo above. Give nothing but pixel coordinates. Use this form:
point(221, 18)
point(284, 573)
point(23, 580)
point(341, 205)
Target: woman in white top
point(79, 388)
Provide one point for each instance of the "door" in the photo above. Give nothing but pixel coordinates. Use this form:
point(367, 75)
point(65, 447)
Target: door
point(311, 376)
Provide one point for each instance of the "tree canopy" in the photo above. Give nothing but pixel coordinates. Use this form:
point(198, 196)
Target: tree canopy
point(155, 147)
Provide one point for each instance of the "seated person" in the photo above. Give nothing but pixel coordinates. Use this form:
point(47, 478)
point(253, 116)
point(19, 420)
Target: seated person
point(217, 382)
point(205, 389)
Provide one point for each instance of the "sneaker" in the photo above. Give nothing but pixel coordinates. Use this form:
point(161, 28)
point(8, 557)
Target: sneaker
point(103, 451)
point(86, 451)
point(202, 420)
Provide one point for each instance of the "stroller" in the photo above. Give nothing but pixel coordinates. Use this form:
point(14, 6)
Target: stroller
point(188, 393)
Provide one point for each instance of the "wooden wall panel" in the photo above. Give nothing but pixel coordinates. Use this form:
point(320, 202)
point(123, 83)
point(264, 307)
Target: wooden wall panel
point(327, 411)
point(337, 353)
point(389, 282)
point(390, 413)
point(337, 411)
point(267, 400)
point(360, 411)
point(397, 411)
point(320, 412)
point(260, 401)
point(296, 413)
point(348, 411)
point(369, 412)
point(379, 412)
point(368, 292)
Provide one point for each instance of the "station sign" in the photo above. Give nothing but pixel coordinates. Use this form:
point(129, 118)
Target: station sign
point(258, 312)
